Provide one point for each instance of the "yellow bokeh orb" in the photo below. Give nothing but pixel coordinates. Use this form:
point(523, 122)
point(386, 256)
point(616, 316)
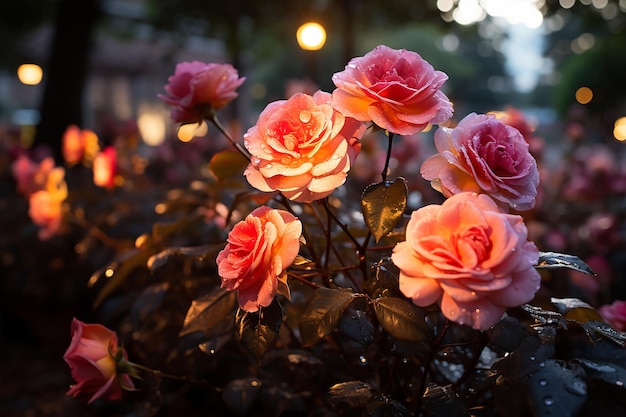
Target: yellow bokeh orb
point(619, 129)
point(29, 74)
point(311, 36)
point(584, 95)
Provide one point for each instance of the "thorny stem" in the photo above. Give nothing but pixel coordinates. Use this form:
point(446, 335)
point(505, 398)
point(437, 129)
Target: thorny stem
point(243, 151)
point(386, 168)
point(431, 355)
point(159, 374)
point(302, 279)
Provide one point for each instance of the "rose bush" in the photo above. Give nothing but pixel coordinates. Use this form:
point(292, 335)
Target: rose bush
point(258, 252)
point(302, 147)
point(94, 358)
point(615, 314)
point(396, 89)
point(484, 155)
point(196, 89)
point(470, 257)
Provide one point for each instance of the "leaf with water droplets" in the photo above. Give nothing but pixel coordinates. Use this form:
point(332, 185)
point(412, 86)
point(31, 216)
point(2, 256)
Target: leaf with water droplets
point(557, 388)
point(402, 319)
point(383, 205)
point(443, 401)
point(576, 310)
point(383, 406)
point(552, 260)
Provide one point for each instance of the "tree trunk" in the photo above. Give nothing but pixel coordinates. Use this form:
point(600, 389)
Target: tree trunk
point(66, 71)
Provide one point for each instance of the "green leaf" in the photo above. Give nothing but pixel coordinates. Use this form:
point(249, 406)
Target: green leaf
point(228, 164)
point(355, 394)
point(322, 314)
point(382, 406)
point(604, 371)
point(552, 260)
point(576, 310)
point(401, 319)
point(258, 331)
point(208, 312)
point(383, 205)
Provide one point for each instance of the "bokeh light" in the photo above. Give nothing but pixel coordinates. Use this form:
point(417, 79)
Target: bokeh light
point(29, 74)
point(584, 95)
point(311, 36)
point(619, 130)
point(189, 131)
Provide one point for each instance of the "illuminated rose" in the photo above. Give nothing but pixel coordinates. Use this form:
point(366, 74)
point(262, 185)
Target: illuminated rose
point(470, 257)
point(302, 147)
point(396, 89)
point(198, 88)
point(30, 175)
point(105, 168)
point(259, 250)
point(484, 155)
point(615, 314)
point(79, 144)
point(94, 357)
point(46, 211)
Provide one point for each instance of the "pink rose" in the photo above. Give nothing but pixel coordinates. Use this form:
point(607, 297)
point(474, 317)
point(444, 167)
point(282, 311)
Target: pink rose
point(484, 155)
point(259, 250)
point(31, 176)
point(470, 257)
point(302, 147)
point(105, 168)
point(93, 357)
point(198, 88)
point(395, 89)
point(46, 211)
point(79, 144)
point(615, 314)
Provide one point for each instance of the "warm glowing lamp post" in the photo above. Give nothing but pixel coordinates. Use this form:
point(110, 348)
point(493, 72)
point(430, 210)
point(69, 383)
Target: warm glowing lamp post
point(311, 37)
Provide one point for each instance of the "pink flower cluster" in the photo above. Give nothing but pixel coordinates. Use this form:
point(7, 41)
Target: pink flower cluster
point(43, 184)
point(468, 254)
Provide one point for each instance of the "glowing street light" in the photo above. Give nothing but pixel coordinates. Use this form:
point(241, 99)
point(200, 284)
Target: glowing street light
point(311, 36)
point(29, 74)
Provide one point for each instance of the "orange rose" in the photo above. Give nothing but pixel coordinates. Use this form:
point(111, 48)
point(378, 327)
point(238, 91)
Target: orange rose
point(302, 147)
point(94, 357)
point(470, 257)
point(396, 89)
point(259, 250)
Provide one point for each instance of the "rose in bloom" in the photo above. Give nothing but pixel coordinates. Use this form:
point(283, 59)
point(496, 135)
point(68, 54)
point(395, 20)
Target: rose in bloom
point(396, 89)
point(615, 314)
point(259, 250)
point(484, 155)
point(105, 168)
point(302, 147)
point(469, 256)
point(79, 144)
point(197, 88)
point(94, 358)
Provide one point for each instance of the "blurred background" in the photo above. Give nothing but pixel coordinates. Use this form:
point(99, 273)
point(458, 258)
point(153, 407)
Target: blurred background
point(555, 68)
